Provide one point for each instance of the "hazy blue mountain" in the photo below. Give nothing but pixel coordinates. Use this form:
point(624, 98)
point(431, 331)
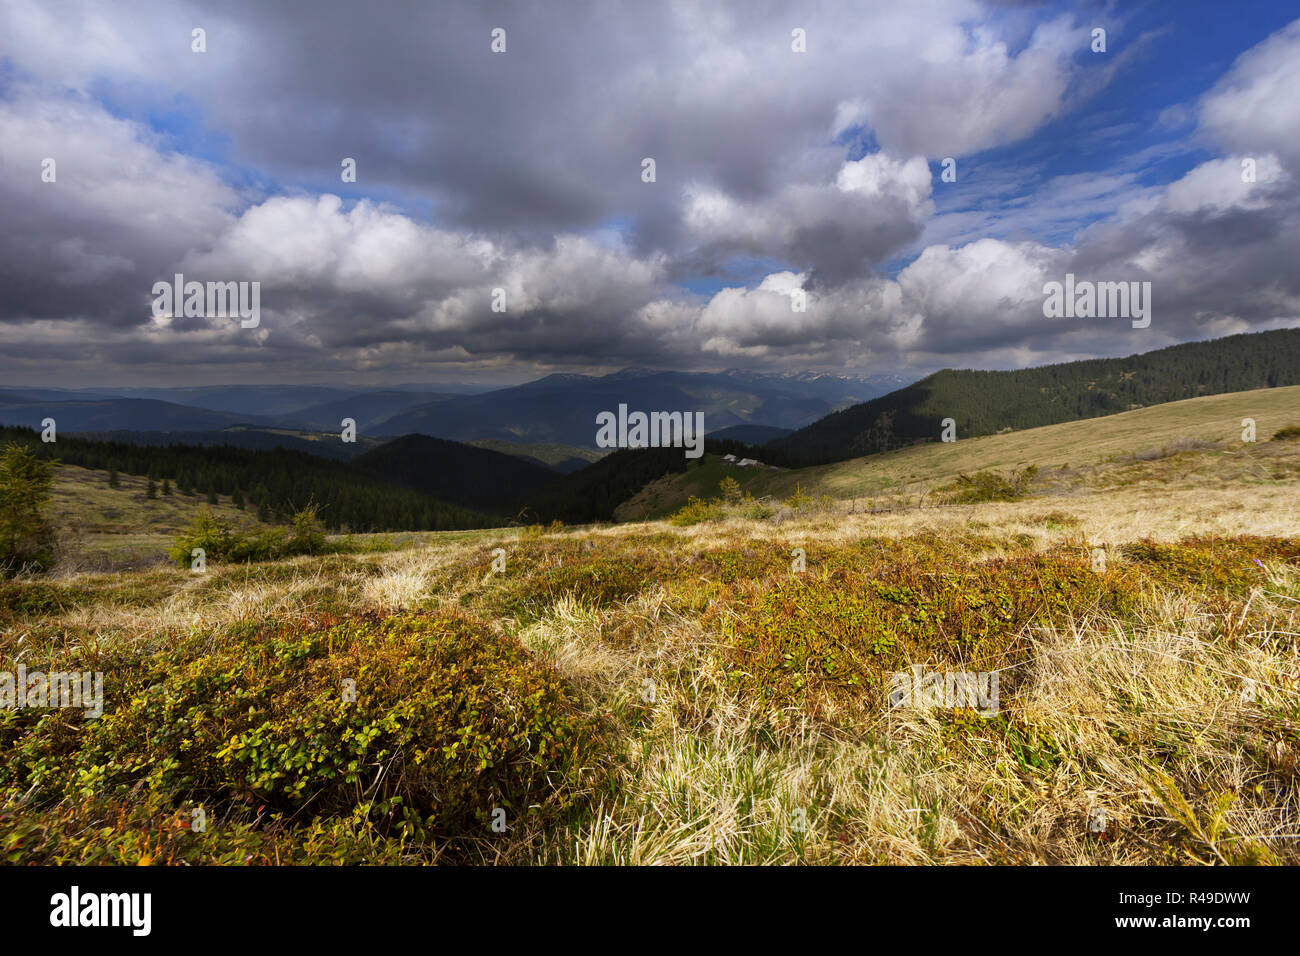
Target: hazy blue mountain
point(266, 401)
point(556, 409)
point(365, 408)
point(841, 391)
point(113, 414)
point(31, 395)
point(563, 408)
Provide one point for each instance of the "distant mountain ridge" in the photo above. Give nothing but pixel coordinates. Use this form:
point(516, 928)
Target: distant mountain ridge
point(562, 408)
point(556, 409)
point(117, 414)
point(248, 437)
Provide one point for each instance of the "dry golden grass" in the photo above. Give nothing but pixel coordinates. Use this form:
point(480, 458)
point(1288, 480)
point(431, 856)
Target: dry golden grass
point(704, 789)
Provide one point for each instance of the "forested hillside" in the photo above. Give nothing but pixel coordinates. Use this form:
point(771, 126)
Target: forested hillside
point(593, 493)
point(450, 471)
point(982, 403)
point(273, 483)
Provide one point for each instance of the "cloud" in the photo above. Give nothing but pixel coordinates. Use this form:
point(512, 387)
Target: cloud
point(838, 326)
point(968, 91)
point(1254, 109)
point(550, 134)
point(521, 172)
point(362, 276)
point(873, 207)
point(1220, 186)
point(119, 210)
point(982, 294)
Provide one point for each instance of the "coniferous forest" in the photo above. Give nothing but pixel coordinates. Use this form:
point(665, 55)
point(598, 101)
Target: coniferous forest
point(273, 484)
point(981, 403)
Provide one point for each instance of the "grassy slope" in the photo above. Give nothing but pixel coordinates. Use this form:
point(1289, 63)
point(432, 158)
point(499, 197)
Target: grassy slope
point(118, 528)
point(1215, 418)
point(108, 527)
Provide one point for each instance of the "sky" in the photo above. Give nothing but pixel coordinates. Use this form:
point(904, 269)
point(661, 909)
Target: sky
point(799, 218)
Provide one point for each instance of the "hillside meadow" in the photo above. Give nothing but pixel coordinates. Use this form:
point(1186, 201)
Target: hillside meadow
point(717, 688)
point(921, 468)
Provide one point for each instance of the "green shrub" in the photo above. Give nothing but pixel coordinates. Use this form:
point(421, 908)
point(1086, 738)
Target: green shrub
point(1289, 433)
point(26, 537)
point(697, 510)
point(207, 533)
point(308, 533)
point(596, 582)
point(1230, 565)
point(750, 507)
point(444, 721)
point(38, 596)
point(220, 541)
point(148, 830)
point(799, 501)
point(840, 634)
point(993, 486)
point(733, 501)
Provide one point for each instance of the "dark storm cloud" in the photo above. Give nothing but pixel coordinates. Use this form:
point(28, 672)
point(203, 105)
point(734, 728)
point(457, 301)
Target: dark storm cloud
point(522, 172)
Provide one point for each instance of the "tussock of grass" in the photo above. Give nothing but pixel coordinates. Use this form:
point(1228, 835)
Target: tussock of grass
point(1171, 450)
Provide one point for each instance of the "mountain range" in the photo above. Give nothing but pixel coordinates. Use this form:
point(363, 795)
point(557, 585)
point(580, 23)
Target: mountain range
point(526, 449)
point(554, 409)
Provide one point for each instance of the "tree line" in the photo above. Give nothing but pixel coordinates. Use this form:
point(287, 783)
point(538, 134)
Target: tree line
point(983, 402)
point(592, 493)
point(275, 484)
